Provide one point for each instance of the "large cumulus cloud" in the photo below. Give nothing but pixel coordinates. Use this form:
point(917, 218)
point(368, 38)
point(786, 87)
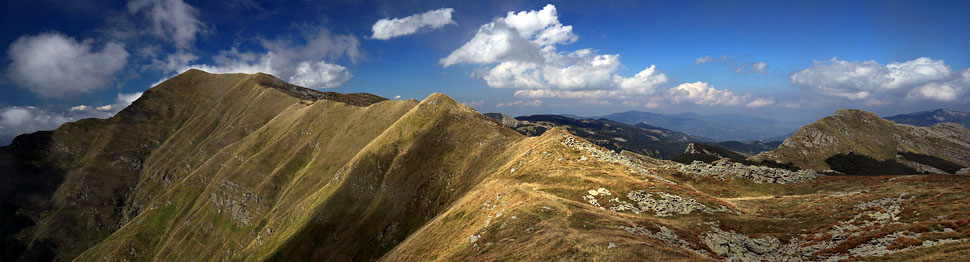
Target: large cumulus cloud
point(918, 79)
point(520, 51)
point(54, 65)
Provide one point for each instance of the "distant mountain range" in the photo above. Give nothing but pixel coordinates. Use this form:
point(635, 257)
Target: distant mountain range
point(930, 118)
point(720, 127)
point(641, 138)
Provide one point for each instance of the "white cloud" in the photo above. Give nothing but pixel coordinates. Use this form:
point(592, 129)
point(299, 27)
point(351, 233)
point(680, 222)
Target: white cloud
point(916, 72)
point(549, 93)
point(701, 93)
point(518, 36)
point(920, 79)
point(761, 102)
point(521, 103)
point(523, 44)
point(644, 82)
point(17, 120)
point(520, 51)
point(303, 64)
point(388, 28)
point(475, 103)
point(737, 67)
point(708, 59)
point(320, 75)
point(759, 67)
point(173, 62)
point(934, 91)
point(171, 19)
point(56, 66)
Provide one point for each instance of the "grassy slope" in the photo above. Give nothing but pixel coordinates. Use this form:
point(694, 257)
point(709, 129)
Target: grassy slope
point(100, 162)
point(283, 179)
point(863, 133)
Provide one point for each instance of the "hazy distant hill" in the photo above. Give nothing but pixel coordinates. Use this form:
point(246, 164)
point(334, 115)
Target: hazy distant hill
point(721, 127)
point(648, 141)
point(930, 118)
point(641, 138)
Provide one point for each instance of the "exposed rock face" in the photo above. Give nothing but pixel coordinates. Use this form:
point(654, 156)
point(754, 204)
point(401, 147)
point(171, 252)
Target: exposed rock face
point(240, 203)
point(724, 169)
point(661, 204)
point(667, 236)
point(864, 133)
point(706, 154)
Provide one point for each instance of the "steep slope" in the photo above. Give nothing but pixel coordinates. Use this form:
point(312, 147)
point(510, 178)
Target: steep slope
point(252, 169)
point(865, 135)
point(92, 170)
point(721, 127)
point(930, 118)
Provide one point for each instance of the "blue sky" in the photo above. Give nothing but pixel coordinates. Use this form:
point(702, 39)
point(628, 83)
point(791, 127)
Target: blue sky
point(796, 60)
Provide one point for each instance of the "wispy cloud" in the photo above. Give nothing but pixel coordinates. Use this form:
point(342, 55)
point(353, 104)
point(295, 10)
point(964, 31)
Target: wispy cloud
point(521, 103)
point(170, 19)
point(388, 28)
point(737, 67)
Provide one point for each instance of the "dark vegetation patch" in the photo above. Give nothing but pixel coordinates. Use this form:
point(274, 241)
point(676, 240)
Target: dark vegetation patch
point(862, 165)
point(932, 161)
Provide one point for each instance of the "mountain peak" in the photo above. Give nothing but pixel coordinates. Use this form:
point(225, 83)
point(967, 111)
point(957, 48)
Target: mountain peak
point(864, 135)
point(855, 113)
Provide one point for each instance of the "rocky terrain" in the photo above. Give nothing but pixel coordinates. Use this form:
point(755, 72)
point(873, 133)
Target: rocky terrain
point(236, 167)
point(870, 138)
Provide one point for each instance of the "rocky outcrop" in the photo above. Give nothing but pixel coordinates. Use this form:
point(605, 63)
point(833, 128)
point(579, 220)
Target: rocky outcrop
point(724, 169)
point(612, 157)
point(661, 204)
point(667, 236)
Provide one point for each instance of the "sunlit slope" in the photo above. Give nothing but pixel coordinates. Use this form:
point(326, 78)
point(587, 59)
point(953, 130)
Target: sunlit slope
point(867, 134)
point(248, 168)
point(100, 161)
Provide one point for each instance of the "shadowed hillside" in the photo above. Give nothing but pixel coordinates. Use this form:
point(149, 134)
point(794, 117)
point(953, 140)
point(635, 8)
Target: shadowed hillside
point(237, 167)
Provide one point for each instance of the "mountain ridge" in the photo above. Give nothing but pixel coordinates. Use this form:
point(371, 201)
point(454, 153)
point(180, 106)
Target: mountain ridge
point(930, 118)
point(208, 167)
point(721, 127)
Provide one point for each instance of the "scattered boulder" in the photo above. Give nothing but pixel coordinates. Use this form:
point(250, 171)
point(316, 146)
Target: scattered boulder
point(724, 169)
